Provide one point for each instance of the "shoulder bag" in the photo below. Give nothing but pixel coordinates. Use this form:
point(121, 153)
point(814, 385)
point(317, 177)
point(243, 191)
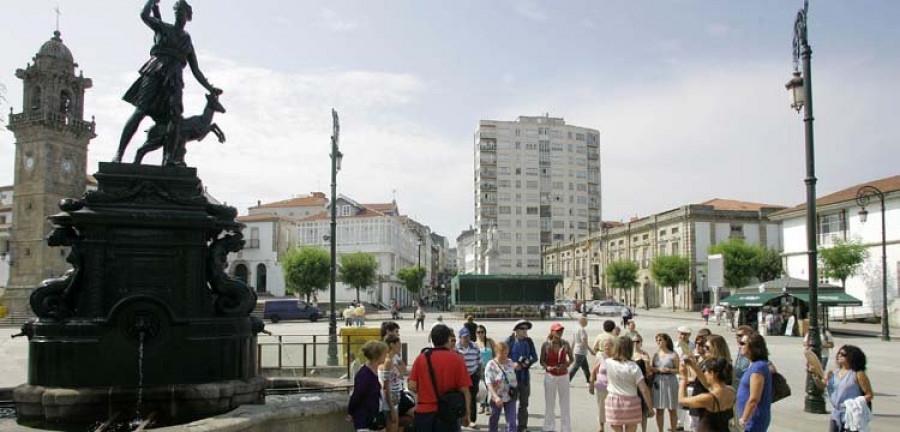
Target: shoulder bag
point(513, 391)
point(451, 405)
point(780, 387)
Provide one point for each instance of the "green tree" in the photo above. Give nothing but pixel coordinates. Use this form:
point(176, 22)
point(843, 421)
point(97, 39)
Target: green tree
point(412, 278)
point(671, 271)
point(622, 275)
point(741, 261)
point(358, 270)
point(770, 264)
point(843, 260)
point(306, 270)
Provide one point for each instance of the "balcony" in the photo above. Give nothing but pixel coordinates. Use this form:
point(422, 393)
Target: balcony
point(52, 119)
point(489, 146)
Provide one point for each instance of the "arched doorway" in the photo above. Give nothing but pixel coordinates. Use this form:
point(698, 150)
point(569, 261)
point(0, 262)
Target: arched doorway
point(260, 278)
point(240, 272)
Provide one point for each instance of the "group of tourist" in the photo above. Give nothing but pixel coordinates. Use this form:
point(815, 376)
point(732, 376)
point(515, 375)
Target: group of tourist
point(354, 315)
point(695, 383)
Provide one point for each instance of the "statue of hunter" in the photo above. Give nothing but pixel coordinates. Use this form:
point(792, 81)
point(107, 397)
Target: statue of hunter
point(158, 91)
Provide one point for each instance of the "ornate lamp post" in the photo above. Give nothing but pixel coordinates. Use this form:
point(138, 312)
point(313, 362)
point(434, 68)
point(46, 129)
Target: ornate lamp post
point(336, 157)
point(863, 196)
point(800, 88)
point(703, 294)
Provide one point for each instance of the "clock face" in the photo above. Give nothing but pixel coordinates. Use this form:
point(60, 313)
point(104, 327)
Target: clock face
point(67, 165)
point(29, 162)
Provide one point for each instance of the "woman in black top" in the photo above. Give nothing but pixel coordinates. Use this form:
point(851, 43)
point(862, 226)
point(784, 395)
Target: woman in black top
point(716, 407)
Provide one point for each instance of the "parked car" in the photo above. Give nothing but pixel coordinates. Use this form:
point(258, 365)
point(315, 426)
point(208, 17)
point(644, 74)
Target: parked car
point(613, 308)
point(290, 309)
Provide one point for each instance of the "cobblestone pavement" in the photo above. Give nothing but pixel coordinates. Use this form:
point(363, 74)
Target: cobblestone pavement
point(786, 353)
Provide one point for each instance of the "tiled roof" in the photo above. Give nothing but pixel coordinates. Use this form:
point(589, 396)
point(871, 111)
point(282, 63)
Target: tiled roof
point(91, 180)
point(261, 217)
point(733, 205)
point(885, 185)
point(382, 207)
point(303, 201)
point(325, 215)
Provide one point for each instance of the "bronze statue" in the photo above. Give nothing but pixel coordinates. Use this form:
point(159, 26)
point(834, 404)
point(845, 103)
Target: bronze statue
point(193, 128)
point(158, 91)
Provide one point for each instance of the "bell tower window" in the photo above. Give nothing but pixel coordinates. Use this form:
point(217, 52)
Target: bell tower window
point(36, 98)
point(65, 102)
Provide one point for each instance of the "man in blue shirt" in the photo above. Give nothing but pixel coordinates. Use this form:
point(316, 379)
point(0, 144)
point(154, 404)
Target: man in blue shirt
point(523, 354)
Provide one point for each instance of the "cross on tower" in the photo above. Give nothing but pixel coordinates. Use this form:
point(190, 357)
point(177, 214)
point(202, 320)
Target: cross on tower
point(58, 13)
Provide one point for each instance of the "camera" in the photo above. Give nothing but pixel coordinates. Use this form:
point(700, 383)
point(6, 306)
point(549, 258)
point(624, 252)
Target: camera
point(524, 362)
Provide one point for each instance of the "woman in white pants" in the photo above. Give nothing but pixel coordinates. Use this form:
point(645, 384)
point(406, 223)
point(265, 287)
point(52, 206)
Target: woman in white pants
point(556, 357)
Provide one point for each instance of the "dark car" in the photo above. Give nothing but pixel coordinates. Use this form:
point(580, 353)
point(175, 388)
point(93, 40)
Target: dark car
point(290, 309)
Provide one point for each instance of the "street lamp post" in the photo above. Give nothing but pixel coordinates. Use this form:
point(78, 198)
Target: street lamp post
point(646, 294)
point(703, 293)
point(336, 157)
point(863, 196)
point(800, 88)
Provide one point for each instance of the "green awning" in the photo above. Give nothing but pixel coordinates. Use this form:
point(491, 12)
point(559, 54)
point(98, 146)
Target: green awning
point(748, 299)
point(830, 299)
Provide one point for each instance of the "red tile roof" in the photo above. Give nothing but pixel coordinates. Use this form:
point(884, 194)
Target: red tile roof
point(260, 217)
point(733, 205)
point(316, 198)
point(885, 185)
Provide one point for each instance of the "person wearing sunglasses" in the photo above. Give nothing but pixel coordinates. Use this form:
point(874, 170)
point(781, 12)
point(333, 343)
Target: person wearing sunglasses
point(523, 354)
point(754, 396)
point(741, 362)
point(665, 364)
point(715, 406)
point(488, 351)
point(846, 384)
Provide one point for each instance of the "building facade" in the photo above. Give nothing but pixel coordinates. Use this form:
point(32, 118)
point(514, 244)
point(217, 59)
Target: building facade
point(537, 182)
point(395, 240)
point(52, 139)
point(689, 230)
point(838, 217)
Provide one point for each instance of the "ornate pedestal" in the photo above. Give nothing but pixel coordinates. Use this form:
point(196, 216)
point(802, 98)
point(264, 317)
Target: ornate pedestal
point(147, 320)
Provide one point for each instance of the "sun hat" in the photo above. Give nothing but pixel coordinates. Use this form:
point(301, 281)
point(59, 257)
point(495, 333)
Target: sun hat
point(556, 327)
point(684, 329)
point(523, 323)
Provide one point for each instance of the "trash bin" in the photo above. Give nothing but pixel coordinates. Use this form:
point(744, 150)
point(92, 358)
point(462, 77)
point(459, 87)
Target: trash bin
point(354, 338)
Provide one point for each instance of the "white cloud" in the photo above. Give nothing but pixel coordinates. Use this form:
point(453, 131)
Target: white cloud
point(529, 9)
point(334, 22)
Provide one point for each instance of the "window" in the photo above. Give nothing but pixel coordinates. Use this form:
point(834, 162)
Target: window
point(504, 210)
point(737, 231)
point(675, 248)
point(531, 210)
point(253, 243)
point(832, 225)
point(675, 230)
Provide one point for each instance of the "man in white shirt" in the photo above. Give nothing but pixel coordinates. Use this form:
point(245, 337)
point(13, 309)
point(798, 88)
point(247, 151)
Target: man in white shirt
point(580, 349)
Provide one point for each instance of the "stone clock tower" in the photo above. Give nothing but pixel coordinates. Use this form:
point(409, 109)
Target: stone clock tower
point(51, 159)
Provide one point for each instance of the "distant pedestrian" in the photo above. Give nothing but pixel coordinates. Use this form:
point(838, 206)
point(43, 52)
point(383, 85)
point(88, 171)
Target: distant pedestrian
point(348, 316)
point(754, 397)
point(420, 318)
point(849, 391)
point(705, 314)
point(500, 379)
point(718, 310)
point(365, 401)
point(556, 357)
point(627, 315)
point(581, 348)
point(623, 406)
point(608, 328)
point(524, 354)
point(360, 315)
point(630, 329)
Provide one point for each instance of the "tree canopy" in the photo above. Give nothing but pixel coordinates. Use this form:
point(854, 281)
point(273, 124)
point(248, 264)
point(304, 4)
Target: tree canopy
point(741, 261)
point(770, 265)
point(671, 271)
point(358, 270)
point(622, 274)
point(843, 260)
point(306, 270)
point(412, 278)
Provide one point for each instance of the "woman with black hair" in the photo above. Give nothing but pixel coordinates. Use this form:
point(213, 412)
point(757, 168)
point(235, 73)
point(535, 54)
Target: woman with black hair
point(847, 382)
point(754, 397)
point(714, 407)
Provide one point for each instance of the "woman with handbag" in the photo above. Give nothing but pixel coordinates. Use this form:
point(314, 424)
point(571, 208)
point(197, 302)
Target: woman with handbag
point(487, 347)
point(500, 379)
point(364, 409)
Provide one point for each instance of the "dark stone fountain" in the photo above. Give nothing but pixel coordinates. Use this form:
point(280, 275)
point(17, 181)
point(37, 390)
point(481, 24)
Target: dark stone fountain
point(148, 254)
point(147, 322)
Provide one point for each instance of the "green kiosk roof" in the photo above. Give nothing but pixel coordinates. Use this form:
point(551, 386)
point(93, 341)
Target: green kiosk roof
point(830, 299)
point(748, 299)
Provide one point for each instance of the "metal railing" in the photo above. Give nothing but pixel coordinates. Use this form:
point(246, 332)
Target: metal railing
point(304, 353)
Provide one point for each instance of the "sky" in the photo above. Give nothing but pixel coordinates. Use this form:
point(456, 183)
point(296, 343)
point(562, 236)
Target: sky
point(688, 95)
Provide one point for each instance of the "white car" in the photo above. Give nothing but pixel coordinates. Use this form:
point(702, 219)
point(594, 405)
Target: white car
point(612, 308)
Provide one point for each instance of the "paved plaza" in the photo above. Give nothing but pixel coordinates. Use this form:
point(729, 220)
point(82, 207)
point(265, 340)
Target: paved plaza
point(787, 354)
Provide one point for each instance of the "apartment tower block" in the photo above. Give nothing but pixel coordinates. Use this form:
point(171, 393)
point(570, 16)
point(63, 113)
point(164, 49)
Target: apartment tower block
point(537, 182)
